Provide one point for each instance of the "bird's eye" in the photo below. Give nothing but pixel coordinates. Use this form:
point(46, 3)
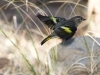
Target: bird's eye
point(82, 19)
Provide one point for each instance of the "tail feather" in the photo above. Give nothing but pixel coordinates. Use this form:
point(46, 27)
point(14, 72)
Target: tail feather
point(45, 40)
point(42, 18)
point(39, 16)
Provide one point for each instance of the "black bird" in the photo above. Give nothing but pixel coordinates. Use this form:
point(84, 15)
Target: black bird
point(63, 28)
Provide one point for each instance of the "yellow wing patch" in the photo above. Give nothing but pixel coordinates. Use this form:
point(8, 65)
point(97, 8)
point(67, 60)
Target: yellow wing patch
point(45, 40)
point(53, 19)
point(66, 29)
point(48, 39)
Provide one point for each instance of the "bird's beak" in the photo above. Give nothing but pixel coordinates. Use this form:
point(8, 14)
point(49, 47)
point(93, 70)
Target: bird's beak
point(84, 19)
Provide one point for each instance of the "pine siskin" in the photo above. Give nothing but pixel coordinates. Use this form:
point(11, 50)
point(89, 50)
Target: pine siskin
point(63, 28)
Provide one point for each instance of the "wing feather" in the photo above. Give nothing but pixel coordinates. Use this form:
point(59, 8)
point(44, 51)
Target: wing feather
point(50, 21)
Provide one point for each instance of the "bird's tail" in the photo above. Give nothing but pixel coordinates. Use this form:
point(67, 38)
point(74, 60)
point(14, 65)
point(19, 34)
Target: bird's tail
point(42, 17)
point(46, 39)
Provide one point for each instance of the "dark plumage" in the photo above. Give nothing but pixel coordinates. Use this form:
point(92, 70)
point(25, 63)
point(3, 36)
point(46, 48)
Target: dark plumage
point(63, 28)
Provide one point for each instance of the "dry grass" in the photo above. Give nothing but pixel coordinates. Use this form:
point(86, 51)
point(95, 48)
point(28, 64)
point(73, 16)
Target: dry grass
point(21, 45)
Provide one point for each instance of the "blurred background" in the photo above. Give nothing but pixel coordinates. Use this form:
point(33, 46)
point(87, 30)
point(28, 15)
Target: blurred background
point(21, 34)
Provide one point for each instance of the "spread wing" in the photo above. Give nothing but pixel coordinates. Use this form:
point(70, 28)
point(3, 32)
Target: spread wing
point(50, 21)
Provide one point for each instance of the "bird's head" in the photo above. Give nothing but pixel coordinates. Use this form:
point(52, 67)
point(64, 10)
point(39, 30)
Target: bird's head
point(78, 20)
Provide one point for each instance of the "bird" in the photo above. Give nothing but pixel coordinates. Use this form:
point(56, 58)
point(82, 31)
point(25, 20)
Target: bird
point(61, 27)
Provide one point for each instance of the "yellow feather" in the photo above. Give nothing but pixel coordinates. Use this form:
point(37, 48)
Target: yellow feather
point(66, 29)
point(54, 19)
point(48, 39)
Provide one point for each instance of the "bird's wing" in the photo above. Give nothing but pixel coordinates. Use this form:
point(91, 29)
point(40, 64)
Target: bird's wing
point(50, 21)
point(69, 29)
point(66, 23)
point(66, 29)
